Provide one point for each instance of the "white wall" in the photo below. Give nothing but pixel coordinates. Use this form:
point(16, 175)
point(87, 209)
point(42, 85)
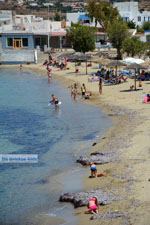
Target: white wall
point(130, 10)
point(6, 14)
point(73, 17)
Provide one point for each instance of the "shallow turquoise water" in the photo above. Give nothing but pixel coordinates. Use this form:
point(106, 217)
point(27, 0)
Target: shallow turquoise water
point(28, 125)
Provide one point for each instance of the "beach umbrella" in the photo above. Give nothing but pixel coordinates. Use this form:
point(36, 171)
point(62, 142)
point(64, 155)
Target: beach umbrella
point(136, 67)
point(146, 64)
point(79, 57)
point(64, 55)
point(100, 60)
point(116, 63)
point(131, 60)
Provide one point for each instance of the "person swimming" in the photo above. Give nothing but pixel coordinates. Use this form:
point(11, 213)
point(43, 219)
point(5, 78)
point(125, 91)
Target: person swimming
point(54, 100)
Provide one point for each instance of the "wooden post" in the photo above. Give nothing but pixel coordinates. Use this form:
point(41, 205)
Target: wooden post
point(135, 81)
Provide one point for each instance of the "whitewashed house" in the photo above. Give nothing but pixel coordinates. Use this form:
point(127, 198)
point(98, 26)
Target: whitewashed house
point(129, 11)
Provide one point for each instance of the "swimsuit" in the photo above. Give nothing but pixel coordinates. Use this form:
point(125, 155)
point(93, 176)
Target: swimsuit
point(92, 205)
point(93, 167)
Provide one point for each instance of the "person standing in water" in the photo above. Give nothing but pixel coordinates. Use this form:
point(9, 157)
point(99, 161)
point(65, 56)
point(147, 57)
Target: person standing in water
point(54, 100)
point(74, 91)
point(83, 90)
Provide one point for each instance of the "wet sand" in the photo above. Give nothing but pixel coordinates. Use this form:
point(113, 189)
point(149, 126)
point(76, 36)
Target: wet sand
point(128, 176)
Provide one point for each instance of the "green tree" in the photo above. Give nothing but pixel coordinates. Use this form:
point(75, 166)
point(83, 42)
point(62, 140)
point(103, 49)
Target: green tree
point(128, 46)
point(139, 29)
point(133, 46)
point(140, 47)
point(82, 38)
point(147, 49)
point(131, 24)
point(117, 33)
point(146, 26)
point(103, 12)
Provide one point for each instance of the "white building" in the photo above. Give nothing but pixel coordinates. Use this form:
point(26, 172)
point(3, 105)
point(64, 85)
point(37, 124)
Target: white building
point(129, 11)
point(76, 17)
point(5, 17)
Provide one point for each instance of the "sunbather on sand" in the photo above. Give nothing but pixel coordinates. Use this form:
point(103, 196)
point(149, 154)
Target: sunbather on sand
point(93, 205)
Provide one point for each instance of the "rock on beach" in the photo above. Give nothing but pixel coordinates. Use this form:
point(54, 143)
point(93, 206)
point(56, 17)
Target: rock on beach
point(96, 157)
point(81, 198)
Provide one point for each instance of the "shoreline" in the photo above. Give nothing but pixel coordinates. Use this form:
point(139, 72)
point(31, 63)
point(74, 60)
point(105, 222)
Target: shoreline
point(129, 135)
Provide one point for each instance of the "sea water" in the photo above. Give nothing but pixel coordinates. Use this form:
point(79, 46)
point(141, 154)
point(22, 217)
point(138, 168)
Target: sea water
point(58, 136)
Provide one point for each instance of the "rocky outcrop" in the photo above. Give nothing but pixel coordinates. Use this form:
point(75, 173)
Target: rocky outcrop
point(97, 158)
point(81, 198)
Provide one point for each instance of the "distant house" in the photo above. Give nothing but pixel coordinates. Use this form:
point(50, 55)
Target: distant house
point(17, 40)
point(5, 17)
point(17, 47)
point(26, 34)
point(84, 19)
point(129, 10)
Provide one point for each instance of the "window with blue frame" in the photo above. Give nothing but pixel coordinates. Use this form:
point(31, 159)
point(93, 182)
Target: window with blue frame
point(17, 42)
point(25, 42)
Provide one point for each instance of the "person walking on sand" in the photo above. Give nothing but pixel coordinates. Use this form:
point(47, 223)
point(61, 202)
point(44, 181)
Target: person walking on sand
point(100, 85)
point(93, 169)
point(93, 205)
point(83, 90)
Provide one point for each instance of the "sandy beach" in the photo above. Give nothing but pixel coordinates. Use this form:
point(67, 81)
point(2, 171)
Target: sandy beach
point(127, 176)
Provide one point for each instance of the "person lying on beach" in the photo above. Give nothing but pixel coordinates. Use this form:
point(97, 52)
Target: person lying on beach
point(93, 169)
point(93, 205)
